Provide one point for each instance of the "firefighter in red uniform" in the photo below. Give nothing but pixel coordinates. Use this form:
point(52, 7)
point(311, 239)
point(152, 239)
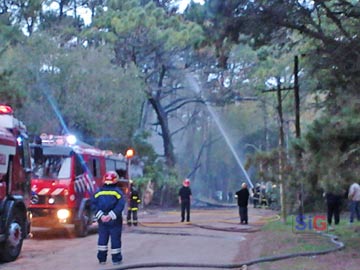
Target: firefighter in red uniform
point(134, 201)
point(108, 203)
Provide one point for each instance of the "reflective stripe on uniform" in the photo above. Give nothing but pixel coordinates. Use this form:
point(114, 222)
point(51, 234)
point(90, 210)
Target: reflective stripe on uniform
point(116, 251)
point(102, 248)
point(108, 193)
point(134, 209)
point(112, 214)
point(99, 214)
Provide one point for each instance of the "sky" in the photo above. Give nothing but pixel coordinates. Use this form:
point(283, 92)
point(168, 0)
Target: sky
point(86, 14)
point(183, 4)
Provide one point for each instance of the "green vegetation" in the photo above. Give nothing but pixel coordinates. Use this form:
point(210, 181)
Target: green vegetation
point(142, 70)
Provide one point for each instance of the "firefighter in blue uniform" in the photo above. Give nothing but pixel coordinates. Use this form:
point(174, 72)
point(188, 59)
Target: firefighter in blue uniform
point(134, 200)
point(108, 203)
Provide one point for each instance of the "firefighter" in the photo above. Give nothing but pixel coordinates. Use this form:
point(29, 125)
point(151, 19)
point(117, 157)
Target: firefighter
point(134, 200)
point(108, 203)
point(185, 197)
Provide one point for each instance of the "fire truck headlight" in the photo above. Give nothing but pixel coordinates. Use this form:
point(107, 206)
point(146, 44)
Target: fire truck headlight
point(51, 200)
point(63, 214)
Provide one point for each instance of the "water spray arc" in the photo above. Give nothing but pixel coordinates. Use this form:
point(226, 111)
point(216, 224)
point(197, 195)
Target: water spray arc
point(58, 114)
point(196, 88)
point(54, 106)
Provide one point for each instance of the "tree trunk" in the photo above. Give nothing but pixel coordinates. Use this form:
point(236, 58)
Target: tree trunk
point(165, 132)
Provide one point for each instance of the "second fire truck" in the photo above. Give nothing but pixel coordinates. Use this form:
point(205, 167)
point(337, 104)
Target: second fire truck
point(65, 174)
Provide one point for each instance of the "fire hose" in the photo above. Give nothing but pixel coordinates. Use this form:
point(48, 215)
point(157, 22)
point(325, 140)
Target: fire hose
point(338, 245)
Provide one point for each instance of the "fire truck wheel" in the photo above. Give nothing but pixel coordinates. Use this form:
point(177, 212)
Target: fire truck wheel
point(10, 249)
point(82, 225)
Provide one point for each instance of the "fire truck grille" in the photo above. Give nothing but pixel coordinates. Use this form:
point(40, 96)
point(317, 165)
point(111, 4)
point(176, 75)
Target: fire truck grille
point(41, 199)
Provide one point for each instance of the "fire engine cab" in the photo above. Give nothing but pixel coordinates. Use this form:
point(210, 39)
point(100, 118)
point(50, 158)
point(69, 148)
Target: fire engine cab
point(65, 174)
point(15, 170)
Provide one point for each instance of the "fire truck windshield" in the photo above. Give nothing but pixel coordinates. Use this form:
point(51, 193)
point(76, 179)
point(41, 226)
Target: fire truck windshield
point(53, 167)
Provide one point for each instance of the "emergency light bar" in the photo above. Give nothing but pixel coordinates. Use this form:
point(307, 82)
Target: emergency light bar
point(5, 109)
point(7, 119)
point(65, 140)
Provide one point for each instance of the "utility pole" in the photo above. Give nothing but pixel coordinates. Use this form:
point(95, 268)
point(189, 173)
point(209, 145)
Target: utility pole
point(297, 97)
point(298, 133)
point(281, 152)
point(296, 89)
point(281, 147)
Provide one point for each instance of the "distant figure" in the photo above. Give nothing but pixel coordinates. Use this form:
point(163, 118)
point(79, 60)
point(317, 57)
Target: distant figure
point(354, 197)
point(256, 195)
point(185, 200)
point(230, 197)
point(333, 203)
point(134, 200)
point(242, 200)
point(108, 203)
point(149, 193)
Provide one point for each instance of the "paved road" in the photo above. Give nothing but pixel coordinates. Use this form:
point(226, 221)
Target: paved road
point(214, 236)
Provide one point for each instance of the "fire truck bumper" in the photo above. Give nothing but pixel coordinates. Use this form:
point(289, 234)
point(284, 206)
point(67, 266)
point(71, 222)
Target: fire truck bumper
point(50, 217)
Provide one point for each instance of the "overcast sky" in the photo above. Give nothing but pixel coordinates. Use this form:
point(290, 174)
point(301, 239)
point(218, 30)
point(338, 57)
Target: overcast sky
point(184, 3)
point(86, 14)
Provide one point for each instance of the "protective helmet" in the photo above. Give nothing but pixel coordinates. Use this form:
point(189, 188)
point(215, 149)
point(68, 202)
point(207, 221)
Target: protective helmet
point(186, 182)
point(110, 178)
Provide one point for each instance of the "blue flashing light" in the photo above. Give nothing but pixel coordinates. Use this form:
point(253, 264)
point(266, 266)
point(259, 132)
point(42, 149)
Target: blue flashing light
point(71, 139)
point(19, 141)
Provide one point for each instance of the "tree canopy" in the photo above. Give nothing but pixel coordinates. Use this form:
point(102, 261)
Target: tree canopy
point(141, 70)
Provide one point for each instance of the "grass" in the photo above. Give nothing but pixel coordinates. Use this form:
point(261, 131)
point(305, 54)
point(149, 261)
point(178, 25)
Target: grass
point(278, 238)
point(349, 234)
point(303, 242)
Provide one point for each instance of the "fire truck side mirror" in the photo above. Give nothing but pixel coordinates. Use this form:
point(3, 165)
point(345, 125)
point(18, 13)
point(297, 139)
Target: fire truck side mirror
point(38, 152)
point(38, 155)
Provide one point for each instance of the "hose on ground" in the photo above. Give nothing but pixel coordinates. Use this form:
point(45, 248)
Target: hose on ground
point(333, 238)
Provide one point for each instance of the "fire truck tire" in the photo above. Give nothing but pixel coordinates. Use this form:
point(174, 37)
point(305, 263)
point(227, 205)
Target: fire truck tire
point(82, 225)
point(11, 248)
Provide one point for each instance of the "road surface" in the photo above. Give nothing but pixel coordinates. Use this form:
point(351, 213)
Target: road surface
point(214, 236)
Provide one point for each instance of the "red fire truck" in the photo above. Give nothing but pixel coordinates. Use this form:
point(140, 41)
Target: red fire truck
point(65, 174)
point(15, 170)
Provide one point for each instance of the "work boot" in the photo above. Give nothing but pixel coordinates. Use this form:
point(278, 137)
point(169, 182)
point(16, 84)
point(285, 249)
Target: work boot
point(116, 258)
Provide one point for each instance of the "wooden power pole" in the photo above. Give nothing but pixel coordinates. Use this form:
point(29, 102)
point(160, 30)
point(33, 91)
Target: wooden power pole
point(281, 153)
point(278, 90)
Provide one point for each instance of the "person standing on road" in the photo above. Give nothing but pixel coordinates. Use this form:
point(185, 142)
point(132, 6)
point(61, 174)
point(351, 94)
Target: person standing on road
point(242, 200)
point(185, 197)
point(108, 203)
point(134, 200)
point(354, 197)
